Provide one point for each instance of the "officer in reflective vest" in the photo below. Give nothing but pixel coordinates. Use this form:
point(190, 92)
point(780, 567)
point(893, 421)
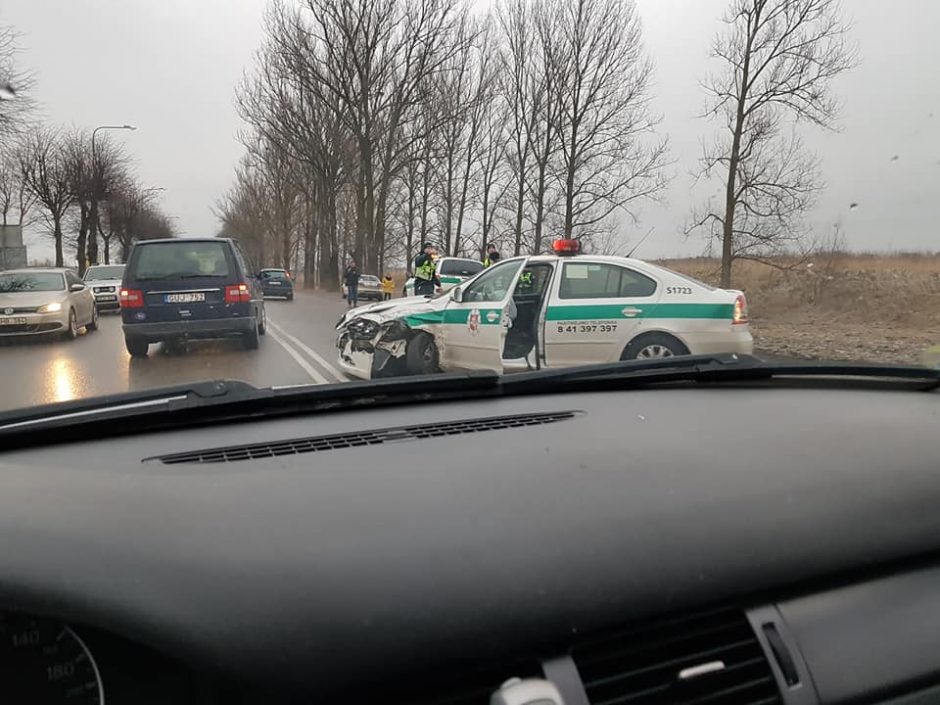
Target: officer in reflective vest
point(426, 279)
point(492, 255)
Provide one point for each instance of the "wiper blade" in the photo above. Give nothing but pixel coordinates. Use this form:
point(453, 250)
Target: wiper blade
point(126, 404)
point(726, 367)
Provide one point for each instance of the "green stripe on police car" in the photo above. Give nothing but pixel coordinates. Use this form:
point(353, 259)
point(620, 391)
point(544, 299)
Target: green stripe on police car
point(589, 312)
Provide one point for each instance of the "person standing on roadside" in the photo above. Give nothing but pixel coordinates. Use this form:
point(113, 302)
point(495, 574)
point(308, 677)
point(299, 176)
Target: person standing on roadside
point(426, 279)
point(492, 255)
point(388, 287)
point(351, 278)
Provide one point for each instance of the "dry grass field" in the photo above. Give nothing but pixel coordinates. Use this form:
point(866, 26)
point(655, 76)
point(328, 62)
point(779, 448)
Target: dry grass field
point(871, 307)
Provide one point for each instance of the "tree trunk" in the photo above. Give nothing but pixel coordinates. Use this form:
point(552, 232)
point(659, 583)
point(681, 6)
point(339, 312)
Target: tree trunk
point(106, 241)
point(520, 203)
point(93, 228)
point(83, 224)
point(57, 234)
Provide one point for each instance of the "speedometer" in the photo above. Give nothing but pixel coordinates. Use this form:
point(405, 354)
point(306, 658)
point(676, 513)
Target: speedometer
point(43, 662)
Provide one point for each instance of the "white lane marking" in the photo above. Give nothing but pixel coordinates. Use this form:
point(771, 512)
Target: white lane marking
point(336, 374)
point(298, 358)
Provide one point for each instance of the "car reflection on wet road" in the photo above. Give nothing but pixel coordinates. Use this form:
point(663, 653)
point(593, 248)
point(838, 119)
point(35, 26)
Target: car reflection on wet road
point(298, 349)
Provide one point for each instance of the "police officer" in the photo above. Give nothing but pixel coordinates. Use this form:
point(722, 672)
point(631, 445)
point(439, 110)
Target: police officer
point(426, 279)
point(492, 255)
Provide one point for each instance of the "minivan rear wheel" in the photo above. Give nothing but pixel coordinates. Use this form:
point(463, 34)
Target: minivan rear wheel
point(250, 339)
point(136, 347)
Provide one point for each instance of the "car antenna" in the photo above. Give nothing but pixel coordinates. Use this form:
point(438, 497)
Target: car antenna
point(642, 240)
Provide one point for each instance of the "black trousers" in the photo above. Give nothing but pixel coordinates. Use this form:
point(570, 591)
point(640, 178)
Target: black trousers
point(424, 287)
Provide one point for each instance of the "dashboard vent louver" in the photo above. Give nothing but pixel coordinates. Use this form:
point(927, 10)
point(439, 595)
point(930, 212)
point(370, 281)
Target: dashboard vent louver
point(315, 444)
point(712, 659)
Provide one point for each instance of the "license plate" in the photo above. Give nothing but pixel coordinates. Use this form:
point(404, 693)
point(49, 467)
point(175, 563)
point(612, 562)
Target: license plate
point(107, 298)
point(184, 298)
point(12, 321)
point(274, 283)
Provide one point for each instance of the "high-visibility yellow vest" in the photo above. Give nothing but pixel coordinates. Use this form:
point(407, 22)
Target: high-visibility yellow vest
point(425, 270)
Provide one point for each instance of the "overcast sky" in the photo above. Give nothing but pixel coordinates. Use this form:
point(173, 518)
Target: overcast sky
point(170, 67)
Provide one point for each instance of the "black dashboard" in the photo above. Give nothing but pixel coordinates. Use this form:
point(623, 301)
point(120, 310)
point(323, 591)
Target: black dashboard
point(717, 544)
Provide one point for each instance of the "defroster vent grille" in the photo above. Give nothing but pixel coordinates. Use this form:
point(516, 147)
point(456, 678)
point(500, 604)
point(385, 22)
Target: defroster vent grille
point(338, 441)
point(711, 659)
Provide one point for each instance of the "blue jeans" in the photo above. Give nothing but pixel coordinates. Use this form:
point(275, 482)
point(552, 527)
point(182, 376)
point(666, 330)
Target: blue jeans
point(352, 295)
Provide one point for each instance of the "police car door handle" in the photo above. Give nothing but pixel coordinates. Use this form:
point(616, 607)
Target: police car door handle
point(631, 311)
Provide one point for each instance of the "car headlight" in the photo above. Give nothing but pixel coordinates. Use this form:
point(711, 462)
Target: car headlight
point(362, 328)
point(50, 308)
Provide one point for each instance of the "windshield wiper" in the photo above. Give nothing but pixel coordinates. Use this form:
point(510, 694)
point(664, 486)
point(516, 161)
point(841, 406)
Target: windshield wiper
point(211, 402)
point(726, 367)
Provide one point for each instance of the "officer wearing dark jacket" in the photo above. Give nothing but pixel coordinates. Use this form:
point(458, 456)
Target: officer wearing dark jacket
point(426, 279)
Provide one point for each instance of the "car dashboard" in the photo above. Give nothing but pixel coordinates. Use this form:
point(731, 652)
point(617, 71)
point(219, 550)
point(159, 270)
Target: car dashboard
point(695, 544)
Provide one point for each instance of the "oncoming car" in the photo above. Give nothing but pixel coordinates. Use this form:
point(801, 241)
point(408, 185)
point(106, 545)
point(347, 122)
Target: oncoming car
point(546, 311)
point(105, 283)
point(451, 271)
point(45, 301)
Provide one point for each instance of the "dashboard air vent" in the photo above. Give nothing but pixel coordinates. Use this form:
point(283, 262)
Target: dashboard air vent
point(315, 444)
point(712, 659)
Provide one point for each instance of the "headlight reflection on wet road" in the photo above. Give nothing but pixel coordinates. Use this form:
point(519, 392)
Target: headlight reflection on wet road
point(61, 380)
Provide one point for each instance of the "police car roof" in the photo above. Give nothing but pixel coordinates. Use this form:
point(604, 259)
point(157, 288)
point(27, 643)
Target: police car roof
point(593, 258)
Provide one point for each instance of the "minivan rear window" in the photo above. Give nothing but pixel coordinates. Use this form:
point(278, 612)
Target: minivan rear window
point(181, 259)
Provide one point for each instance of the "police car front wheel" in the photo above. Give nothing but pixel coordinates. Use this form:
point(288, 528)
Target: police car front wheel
point(421, 355)
point(653, 346)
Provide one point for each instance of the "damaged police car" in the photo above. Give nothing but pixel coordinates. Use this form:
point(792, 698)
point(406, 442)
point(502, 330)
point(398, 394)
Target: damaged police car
point(545, 311)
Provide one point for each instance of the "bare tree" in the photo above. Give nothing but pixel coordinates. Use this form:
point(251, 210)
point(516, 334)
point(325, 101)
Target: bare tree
point(779, 59)
point(94, 177)
point(46, 170)
point(517, 29)
point(16, 83)
point(16, 199)
point(609, 158)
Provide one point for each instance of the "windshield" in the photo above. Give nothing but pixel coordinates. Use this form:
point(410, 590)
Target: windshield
point(293, 208)
point(12, 283)
point(180, 259)
point(99, 273)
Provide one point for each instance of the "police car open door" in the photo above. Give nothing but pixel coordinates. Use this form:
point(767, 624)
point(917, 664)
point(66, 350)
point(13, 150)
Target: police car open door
point(477, 317)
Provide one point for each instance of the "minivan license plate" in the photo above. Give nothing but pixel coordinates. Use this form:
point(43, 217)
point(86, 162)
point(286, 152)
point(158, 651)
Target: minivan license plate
point(184, 298)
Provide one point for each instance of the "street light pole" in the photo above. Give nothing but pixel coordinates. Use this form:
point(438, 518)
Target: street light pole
point(93, 211)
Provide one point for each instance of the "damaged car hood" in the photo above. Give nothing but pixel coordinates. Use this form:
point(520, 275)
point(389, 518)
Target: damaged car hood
point(413, 308)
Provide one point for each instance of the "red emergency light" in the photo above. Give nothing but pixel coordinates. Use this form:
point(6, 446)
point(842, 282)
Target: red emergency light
point(566, 247)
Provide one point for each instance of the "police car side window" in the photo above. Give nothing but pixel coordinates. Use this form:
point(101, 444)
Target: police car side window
point(586, 280)
point(635, 284)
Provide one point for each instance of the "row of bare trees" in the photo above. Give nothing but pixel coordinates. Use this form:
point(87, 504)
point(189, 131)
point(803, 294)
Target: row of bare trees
point(83, 194)
point(374, 125)
point(49, 178)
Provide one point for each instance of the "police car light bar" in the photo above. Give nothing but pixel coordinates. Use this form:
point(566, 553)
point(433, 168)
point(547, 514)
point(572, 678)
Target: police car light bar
point(566, 247)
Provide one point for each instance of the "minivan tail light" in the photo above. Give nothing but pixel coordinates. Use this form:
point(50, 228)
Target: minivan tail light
point(740, 310)
point(132, 298)
point(237, 294)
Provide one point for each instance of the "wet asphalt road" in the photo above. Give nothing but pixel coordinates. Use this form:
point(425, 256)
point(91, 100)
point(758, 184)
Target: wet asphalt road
point(298, 349)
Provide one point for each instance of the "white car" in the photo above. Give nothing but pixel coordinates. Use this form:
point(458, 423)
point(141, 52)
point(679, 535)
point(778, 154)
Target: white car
point(451, 271)
point(105, 283)
point(545, 311)
point(45, 302)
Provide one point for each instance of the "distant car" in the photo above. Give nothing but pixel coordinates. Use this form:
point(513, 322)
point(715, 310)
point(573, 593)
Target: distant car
point(451, 271)
point(370, 287)
point(276, 282)
point(105, 283)
point(44, 302)
point(189, 288)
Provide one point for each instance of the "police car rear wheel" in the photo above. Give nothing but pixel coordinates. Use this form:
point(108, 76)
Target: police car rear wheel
point(421, 355)
point(653, 347)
